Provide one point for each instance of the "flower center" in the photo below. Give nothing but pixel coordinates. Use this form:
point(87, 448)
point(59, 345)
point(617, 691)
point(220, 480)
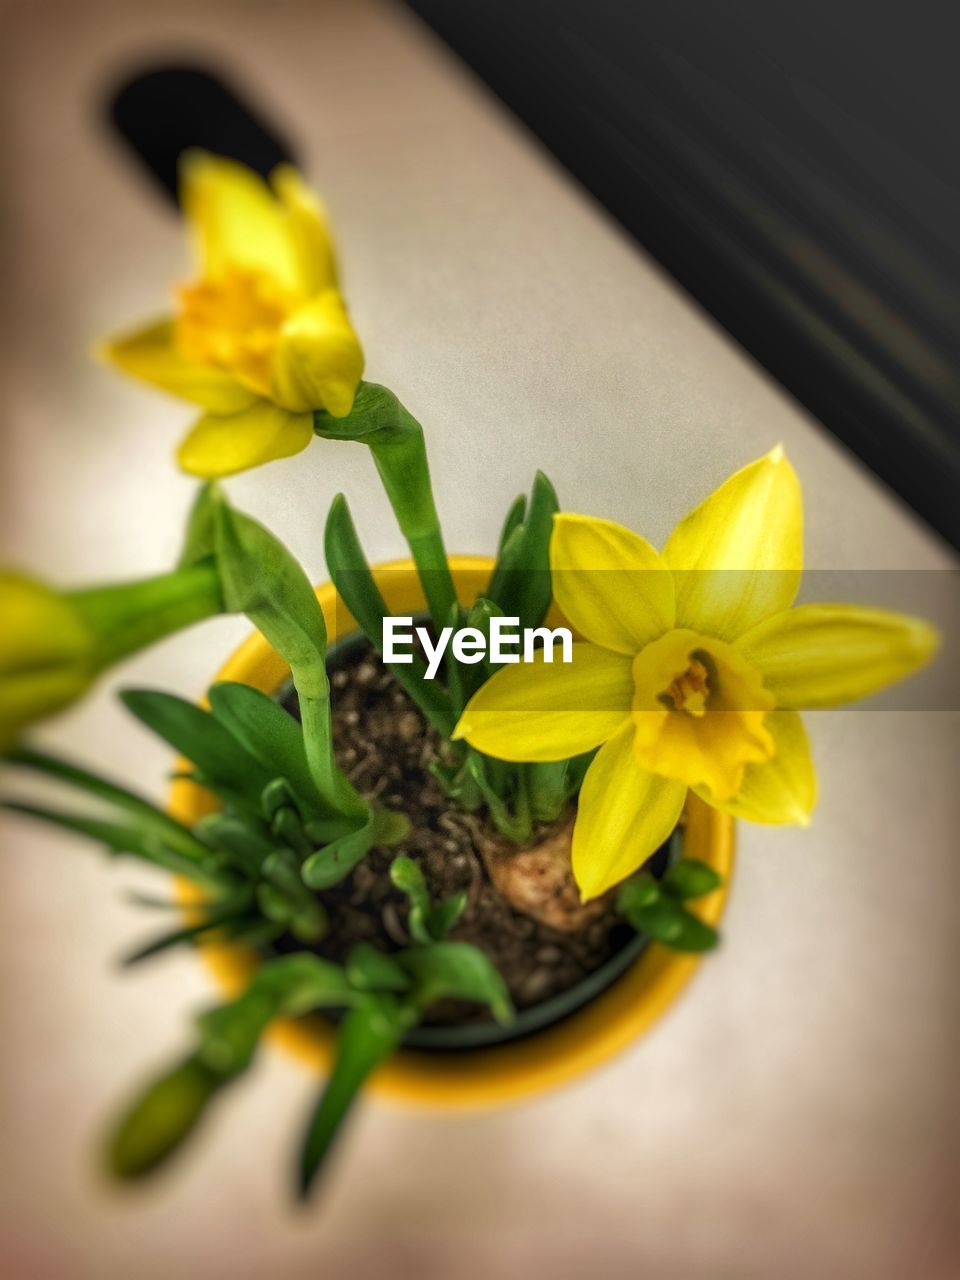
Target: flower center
point(699, 711)
point(234, 322)
point(689, 691)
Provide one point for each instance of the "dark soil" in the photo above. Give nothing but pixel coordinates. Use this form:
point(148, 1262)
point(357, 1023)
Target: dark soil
point(385, 747)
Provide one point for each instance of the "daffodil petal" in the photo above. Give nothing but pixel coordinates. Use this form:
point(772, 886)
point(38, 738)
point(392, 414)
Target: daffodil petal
point(822, 655)
point(737, 557)
point(624, 815)
point(308, 228)
point(236, 220)
point(319, 362)
point(222, 445)
point(781, 790)
point(610, 583)
point(151, 354)
point(550, 711)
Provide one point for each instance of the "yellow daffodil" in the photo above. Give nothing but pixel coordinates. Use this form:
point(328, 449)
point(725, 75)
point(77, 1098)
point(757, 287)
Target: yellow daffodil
point(261, 339)
point(691, 671)
point(47, 654)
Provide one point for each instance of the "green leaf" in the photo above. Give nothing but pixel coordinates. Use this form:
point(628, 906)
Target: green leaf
point(309, 920)
point(161, 1118)
point(368, 1034)
point(245, 844)
point(289, 986)
point(334, 862)
point(140, 842)
point(270, 734)
point(371, 970)
point(690, 878)
point(103, 789)
point(196, 734)
point(521, 579)
point(549, 789)
point(217, 916)
point(445, 915)
point(514, 519)
point(640, 891)
point(352, 578)
point(456, 969)
point(261, 578)
point(673, 925)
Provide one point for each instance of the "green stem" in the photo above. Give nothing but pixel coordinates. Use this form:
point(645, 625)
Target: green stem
point(132, 615)
point(433, 570)
point(405, 472)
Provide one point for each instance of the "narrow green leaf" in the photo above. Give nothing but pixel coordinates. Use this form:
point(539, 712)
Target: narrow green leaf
point(521, 579)
point(219, 916)
point(288, 986)
point(270, 734)
point(352, 578)
point(245, 844)
point(113, 793)
point(514, 519)
point(128, 838)
point(371, 970)
point(549, 789)
point(456, 969)
point(196, 734)
point(368, 1034)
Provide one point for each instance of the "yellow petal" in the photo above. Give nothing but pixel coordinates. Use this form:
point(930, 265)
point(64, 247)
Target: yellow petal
point(781, 790)
point(308, 228)
point(821, 655)
point(236, 220)
point(610, 583)
point(223, 445)
point(738, 556)
point(624, 815)
point(549, 711)
point(318, 361)
point(151, 355)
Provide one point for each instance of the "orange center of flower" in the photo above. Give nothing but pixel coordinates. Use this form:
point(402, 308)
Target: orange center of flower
point(689, 691)
point(234, 322)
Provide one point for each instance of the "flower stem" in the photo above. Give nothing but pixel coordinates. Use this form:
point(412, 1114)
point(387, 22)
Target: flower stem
point(405, 472)
point(132, 615)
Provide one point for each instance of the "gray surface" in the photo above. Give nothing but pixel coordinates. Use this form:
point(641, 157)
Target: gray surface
point(795, 1112)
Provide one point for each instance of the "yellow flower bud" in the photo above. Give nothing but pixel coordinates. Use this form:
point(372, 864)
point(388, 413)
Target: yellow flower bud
point(46, 654)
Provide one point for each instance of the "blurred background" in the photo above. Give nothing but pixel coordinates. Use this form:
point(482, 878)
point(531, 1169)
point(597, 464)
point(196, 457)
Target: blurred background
point(630, 321)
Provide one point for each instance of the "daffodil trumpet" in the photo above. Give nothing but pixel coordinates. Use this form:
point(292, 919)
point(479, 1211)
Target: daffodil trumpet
point(692, 668)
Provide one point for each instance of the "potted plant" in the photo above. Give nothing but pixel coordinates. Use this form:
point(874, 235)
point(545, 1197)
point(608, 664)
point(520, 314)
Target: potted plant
point(461, 825)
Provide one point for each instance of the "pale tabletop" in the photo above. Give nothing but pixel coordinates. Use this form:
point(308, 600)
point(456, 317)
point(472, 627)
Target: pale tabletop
point(794, 1113)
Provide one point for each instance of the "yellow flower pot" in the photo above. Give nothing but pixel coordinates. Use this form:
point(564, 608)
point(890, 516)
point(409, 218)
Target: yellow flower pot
point(504, 1073)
